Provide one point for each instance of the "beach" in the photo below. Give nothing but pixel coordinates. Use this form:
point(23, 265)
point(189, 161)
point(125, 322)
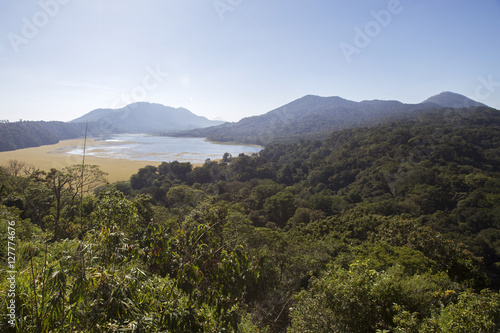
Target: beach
point(55, 156)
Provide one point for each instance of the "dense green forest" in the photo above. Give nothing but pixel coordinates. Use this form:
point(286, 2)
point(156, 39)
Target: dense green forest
point(26, 134)
point(389, 228)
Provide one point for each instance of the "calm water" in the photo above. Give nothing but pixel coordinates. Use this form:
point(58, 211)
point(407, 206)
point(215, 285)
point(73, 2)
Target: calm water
point(159, 148)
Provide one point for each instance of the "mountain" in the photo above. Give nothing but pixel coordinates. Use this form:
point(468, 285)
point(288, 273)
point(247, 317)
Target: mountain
point(309, 117)
point(452, 100)
point(315, 117)
point(134, 118)
point(144, 117)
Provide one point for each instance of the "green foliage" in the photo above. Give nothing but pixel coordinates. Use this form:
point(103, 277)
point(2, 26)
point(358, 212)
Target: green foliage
point(472, 313)
point(112, 209)
point(453, 258)
point(24, 134)
point(280, 207)
point(183, 196)
point(362, 299)
point(373, 229)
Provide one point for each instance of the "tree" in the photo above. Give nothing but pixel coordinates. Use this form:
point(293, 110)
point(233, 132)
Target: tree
point(280, 207)
point(184, 196)
point(58, 182)
point(472, 313)
point(86, 180)
point(362, 299)
point(200, 175)
point(144, 177)
point(452, 257)
point(66, 186)
point(210, 272)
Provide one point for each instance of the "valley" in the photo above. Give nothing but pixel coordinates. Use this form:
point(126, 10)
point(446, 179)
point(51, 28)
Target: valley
point(383, 215)
point(232, 166)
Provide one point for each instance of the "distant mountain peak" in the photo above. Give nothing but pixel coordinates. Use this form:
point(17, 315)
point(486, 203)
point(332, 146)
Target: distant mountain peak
point(146, 105)
point(452, 100)
point(313, 117)
point(145, 117)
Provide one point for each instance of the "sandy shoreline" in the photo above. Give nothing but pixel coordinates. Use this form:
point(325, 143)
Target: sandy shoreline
point(53, 156)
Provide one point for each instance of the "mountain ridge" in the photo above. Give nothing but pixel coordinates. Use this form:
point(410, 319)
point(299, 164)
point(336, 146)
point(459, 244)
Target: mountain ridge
point(308, 117)
point(452, 100)
point(144, 117)
point(314, 117)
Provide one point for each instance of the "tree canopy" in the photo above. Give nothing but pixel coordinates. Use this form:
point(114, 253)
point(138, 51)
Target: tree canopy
point(391, 228)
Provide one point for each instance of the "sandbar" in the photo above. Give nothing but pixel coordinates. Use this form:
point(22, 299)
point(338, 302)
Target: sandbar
point(55, 156)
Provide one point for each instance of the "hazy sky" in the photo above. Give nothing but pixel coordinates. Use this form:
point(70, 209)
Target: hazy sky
point(235, 58)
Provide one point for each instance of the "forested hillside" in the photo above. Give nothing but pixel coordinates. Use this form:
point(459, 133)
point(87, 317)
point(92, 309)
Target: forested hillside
point(26, 134)
point(391, 228)
point(315, 117)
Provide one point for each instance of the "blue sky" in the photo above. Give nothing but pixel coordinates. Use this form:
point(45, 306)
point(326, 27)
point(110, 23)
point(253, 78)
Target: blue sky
point(230, 59)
